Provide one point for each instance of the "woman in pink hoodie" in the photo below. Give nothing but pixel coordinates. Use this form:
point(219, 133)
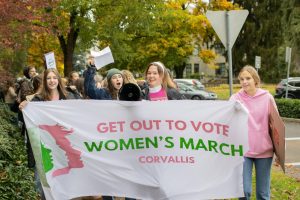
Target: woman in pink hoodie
point(260, 151)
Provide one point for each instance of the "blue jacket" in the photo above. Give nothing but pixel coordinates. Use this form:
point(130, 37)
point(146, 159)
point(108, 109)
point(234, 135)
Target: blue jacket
point(90, 88)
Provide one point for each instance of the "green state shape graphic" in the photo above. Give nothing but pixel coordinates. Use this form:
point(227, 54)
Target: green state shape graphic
point(47, 158)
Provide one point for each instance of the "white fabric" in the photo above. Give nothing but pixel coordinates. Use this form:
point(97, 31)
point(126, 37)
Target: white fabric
point(169, 170)
point(155, 89)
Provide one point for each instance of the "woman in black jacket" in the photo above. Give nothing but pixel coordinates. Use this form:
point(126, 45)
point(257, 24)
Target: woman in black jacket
point(52, 89)
point(160, 85)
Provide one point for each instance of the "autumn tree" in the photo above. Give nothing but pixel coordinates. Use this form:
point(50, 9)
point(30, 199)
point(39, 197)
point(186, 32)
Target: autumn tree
point(14, 33)
point(165, 31)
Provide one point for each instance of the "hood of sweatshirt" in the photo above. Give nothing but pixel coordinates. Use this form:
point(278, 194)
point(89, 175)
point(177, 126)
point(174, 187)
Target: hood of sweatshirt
point(259, 92)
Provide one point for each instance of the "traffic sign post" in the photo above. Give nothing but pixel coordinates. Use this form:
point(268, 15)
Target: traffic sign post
point(227, 25)
point(288, 56)
point(257, 62)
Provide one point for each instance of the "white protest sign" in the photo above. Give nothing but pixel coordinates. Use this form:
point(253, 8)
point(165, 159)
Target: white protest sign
point(131, 149)
point(50, 60)
point(102, 58)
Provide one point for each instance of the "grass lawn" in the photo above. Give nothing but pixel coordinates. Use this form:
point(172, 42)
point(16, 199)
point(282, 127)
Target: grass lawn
point(223, 90)
point(285, 186)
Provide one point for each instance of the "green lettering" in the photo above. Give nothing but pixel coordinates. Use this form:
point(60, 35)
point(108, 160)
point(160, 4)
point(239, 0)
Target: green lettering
point(93, 146)
point(212, 145)
point(111, 145)
point(139, 143)
point(127, 145)
point(169, 142)
point(154, 142)
point(221, 149)
point(187, 145)
point(239, 150)
point(201, 145)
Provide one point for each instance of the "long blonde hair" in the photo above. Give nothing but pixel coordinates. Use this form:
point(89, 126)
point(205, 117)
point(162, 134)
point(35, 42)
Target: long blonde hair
point(128, 77)
point(167, 82)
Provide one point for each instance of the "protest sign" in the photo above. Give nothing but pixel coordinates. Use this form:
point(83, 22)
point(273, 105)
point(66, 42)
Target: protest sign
point(102, 58)
point(277, 133)
point(50, 60)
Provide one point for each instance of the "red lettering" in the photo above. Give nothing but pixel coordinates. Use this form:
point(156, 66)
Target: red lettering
point(170, 124)
point(102, 128)
point(180, 125)
point(196, 128)
point(208, 127)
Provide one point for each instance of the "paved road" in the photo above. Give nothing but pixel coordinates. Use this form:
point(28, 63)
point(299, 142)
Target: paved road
point(292, 135)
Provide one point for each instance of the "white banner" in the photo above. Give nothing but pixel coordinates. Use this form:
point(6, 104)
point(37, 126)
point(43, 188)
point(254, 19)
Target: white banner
point(146, 150)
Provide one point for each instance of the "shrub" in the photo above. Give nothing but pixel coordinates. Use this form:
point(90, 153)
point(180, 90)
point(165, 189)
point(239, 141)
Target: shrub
point(289, 107)
point(16, 179)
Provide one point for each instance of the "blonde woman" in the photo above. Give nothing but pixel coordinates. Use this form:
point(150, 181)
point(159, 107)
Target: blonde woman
point(260, 153)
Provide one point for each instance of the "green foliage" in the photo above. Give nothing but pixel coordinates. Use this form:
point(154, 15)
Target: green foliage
point(289, 107)
point(262, 36)
point(16, 179)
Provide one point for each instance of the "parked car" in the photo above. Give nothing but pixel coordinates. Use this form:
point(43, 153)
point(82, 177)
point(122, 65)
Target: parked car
point(195, 94)
point(293, 88)
point(191, 82)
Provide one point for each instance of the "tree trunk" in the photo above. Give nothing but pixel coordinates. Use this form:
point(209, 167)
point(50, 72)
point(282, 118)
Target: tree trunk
point(69, 46)
point(179, 70)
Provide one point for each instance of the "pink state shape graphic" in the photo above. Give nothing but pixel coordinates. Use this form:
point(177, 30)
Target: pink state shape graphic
point(59, 134)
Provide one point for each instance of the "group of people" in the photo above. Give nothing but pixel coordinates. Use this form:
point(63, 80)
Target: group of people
point(159, 86)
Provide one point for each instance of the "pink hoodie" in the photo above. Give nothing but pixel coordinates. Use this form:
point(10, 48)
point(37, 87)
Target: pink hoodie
point(260, 143)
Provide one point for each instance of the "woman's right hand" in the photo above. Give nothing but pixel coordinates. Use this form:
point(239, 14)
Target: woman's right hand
point(23, 104)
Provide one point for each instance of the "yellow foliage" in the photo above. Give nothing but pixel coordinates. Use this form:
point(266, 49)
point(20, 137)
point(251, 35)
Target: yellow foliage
point(181, 52)
point(213, 66)
point(60, 68)
point(164, 43)
point(223, 5)
point(207, 55)
point(174, 5)
point(41, 44)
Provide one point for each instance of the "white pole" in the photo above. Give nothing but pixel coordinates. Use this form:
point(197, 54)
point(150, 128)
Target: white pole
point(288, 70)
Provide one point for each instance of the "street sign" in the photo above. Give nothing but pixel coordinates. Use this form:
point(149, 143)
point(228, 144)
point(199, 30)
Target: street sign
point(257, 62)
point(235, 23)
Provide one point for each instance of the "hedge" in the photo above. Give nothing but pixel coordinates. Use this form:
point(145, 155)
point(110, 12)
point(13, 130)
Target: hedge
point(289, 108)
point(16, 179)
